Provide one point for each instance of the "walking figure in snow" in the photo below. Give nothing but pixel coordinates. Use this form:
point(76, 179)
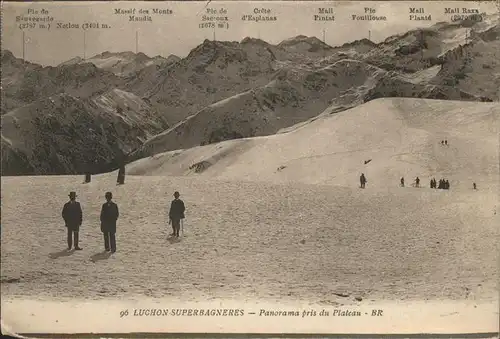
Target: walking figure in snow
point(446, 185)
point(402, 182)
point(474, 185)
point(446, 142)
point(442, 142)
point(417, 182)
point(109, 216)
point(73, 216)
point(362, 180)
point(121, 175)
point(176, 214)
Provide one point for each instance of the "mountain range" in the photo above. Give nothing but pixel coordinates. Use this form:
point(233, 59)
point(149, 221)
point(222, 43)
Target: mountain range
point(94, 114)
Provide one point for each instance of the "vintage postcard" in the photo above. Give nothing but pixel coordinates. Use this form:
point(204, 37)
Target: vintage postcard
point(250, 167)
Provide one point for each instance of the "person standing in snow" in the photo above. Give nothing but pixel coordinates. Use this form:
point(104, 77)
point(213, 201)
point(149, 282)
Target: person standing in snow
point(72, 216)
point(109, 216)
point(176, 214)
point(362, 180)
point(433, 183)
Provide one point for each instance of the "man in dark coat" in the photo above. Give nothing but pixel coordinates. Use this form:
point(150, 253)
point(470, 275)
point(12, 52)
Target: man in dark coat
point(176, 213)
point(109, 215)
point(73, 216)
point(402, 182)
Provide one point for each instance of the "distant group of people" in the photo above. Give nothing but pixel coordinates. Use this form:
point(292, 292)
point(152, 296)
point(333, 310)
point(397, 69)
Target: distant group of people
point(402, 182)
point(72, 215)
point(443, 184)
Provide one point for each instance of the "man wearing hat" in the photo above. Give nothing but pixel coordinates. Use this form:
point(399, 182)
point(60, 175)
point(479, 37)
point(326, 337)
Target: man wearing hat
point(109, 215)
point(176, 213)
point(72, 215)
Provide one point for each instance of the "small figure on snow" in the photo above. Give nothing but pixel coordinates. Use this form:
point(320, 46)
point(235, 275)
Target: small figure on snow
point(417, 182)
point(176, 214)
point(402, 182)
point(362, 180)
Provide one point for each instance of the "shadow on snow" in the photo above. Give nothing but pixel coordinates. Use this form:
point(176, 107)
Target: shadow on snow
point(100, 256)
point(63, 253)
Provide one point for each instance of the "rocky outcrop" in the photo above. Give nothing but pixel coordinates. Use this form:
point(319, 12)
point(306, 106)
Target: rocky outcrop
point(76, 136)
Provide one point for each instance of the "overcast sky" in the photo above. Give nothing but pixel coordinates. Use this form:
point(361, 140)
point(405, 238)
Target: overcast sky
point(179, 33)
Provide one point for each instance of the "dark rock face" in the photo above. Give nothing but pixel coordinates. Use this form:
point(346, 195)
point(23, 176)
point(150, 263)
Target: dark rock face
point(74, 138)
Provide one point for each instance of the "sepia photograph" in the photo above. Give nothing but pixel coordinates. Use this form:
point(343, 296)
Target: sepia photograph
point(327, 167)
